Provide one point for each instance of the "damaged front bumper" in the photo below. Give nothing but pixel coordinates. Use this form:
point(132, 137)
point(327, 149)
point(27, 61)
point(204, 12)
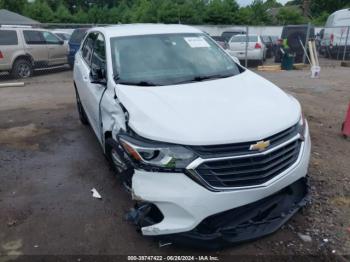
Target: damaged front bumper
point(178, 209)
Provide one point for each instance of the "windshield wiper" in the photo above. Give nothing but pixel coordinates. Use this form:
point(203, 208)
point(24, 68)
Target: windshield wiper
point(140, 83)
point(204, 77)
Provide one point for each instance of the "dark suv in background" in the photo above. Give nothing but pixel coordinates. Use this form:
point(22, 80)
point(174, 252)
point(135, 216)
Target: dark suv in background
point(74, 44)
point(293, 34)
point(226, 35)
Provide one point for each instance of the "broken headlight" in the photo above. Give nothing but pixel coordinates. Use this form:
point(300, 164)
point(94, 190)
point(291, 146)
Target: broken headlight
point(148, 154)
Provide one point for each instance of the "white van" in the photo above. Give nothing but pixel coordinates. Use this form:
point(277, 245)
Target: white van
point(335, 33)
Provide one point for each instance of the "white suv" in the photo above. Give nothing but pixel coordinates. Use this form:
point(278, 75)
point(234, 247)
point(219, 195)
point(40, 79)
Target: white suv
point(212, 153)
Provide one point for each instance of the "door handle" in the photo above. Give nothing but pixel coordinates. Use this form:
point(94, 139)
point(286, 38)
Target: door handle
point(85, 78)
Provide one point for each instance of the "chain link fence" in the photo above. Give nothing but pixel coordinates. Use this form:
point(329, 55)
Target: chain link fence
point(25, 52)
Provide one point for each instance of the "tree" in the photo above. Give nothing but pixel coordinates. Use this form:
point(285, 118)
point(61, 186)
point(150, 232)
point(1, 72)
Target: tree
point(191, 12)
point(81, 17)
point(62, 15)
point(272, 4)
point(221, 12)
point(244, 16)
point(290, 16)
point(16, 6)
point(321, 19)
point(39, 10)
point(168, 12)
point(259, 14)
point(143, 11)
point(329, 6)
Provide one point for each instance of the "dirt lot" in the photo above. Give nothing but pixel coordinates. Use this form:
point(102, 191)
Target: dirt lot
point(49, 163)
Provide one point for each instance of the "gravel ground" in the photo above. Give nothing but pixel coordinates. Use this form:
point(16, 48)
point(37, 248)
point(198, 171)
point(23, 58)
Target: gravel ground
point(49, 163)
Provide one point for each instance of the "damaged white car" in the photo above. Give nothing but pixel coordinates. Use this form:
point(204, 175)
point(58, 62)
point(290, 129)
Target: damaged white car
point(212, 153)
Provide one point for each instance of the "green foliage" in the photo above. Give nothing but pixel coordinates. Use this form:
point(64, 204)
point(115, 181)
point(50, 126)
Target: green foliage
point(290, 16)
point(330, 6)
point(171, 11)
point(259, 14)
point(272, 4)
point(40, 11)
point(321, 19)
point(16, 6)
point(62, 15)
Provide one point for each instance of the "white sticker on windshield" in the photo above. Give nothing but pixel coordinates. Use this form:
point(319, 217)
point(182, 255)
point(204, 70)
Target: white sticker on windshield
point(196, 42)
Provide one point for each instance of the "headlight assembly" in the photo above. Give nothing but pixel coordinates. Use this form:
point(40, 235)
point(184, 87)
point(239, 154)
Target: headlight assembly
point(150, 154)
point(302, 127)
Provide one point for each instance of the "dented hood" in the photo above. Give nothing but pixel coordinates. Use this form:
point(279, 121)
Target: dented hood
point(241, 108)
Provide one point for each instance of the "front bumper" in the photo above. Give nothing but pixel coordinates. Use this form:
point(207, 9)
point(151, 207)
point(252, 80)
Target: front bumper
point(186, 205)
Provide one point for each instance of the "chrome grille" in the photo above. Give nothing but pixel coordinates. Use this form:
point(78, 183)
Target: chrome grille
point(250, 170)
point(243, 148)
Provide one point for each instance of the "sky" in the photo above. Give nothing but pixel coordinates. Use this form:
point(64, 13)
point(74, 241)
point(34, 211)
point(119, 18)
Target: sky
point(248, 2)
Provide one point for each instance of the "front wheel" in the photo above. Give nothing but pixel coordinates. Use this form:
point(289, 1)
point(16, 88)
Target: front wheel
point(117, 161)
point(82, 115)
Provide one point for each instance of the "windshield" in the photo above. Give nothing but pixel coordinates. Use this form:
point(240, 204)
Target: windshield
point(169, 59)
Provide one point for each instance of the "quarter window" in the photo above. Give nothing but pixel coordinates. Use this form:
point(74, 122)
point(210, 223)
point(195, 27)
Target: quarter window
point(8, 37)
point(34, 37)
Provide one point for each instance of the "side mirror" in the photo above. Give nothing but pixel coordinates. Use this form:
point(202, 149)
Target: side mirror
point(61, 42)
point(98, 75)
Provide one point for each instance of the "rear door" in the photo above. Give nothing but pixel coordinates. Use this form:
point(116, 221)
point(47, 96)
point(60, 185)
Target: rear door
point(8, 47)
point(35, 45)
point(58, 49)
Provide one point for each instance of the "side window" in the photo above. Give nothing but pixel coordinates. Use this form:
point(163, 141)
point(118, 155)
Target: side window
point(99, 55)
point(87, 49)
point(51, 39)
point(34, 37)
point(8, 37)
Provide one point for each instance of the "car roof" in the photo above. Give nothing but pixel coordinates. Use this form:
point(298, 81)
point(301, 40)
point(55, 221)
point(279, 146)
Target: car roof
point(144, 29)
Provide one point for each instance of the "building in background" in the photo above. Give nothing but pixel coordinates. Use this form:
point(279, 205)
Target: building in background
point(11, 18)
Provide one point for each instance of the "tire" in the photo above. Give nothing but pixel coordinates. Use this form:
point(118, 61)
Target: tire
point(82, 115)
point(22, 68)
point(120, 166)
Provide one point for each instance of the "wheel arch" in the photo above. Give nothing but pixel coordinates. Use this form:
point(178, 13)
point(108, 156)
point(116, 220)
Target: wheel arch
point(27, 57)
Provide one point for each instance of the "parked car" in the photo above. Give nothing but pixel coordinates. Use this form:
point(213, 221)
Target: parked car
point(221, 41)
point(74, 44)
point(321, 48)
point(256, 48)
point(212, 153)
point(63, 35)
point(269, 44)
point(293, 34)
point(335, 32)
point(228, 34)
point(24, 49)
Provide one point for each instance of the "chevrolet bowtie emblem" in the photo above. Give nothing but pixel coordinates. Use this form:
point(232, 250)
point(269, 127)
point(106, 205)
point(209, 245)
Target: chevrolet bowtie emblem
point(260, 146)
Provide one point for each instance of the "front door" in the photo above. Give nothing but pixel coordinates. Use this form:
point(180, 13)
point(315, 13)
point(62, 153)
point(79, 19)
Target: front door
point(58, 50)
point(92, 55)
point(35, 46)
